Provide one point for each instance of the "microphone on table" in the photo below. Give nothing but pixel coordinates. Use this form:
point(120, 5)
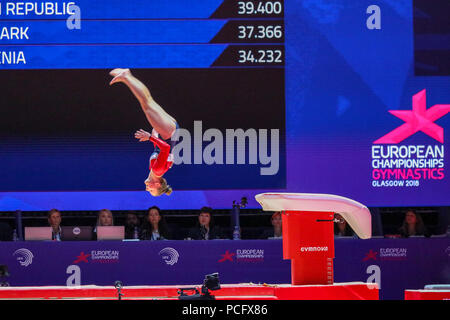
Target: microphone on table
point(118, 285)
point(203, 232)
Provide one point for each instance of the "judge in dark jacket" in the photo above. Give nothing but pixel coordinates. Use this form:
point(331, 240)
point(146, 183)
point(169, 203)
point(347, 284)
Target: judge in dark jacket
point(132, 226)
point(413, 225)
point(205, 228)
point(155, 228)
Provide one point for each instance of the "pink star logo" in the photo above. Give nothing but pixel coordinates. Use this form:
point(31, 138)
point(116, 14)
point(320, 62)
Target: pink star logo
point(82, 258)
point(371, 255)
point(227, 256)
point(418, 119)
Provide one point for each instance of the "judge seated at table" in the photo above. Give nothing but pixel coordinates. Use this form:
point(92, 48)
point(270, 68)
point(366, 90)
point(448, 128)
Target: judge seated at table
point(276, 232)
point(341, 227)
point(412, 225)
point(205, 228)
point(155, 228)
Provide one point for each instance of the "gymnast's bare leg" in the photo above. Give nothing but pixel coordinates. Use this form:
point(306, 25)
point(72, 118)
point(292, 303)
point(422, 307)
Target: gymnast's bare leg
point(159, 119)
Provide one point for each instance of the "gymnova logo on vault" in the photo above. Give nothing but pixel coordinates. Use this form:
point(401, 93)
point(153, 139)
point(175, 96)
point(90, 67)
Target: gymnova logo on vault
point(401, 166)
point(24, 256)
point(313, 249)
point(169, 255)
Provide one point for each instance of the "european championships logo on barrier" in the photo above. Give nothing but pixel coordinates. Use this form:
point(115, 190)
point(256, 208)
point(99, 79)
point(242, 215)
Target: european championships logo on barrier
point(243, 255)
point(24, 256)
point(396, 165)
point(387, 254)
point(169, 255)
point(98, 256)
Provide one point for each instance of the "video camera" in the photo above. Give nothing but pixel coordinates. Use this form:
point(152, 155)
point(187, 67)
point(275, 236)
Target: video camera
point(211, 282)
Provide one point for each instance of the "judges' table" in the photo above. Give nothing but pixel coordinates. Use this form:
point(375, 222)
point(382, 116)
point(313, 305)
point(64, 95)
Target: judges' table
point(395, 264)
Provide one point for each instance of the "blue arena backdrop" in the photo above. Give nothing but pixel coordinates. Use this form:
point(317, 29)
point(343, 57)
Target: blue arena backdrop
point(66, 133)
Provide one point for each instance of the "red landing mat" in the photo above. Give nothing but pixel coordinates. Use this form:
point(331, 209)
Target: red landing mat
point(337, 291)
point(427, 294)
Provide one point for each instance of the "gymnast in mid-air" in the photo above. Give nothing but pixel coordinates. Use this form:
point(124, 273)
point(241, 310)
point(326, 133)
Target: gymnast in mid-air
point(164, 126)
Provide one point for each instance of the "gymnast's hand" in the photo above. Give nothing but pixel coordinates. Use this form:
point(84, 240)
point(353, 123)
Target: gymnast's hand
point(142, 135)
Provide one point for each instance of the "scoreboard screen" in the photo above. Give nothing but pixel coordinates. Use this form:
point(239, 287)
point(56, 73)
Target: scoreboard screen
point(288, 96)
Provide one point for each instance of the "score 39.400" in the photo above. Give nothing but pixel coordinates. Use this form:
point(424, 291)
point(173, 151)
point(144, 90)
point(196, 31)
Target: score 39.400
point(260, 7)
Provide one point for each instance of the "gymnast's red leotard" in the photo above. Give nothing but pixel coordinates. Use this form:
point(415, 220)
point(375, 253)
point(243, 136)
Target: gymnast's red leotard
point(160, 164)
